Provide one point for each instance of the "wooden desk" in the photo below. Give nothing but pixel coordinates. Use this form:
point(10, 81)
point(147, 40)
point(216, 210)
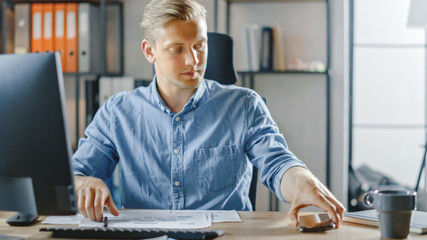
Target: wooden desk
point(254, 225)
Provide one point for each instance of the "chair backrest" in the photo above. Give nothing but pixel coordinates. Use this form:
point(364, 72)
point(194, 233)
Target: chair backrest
point(220, 67)
point(252, 189)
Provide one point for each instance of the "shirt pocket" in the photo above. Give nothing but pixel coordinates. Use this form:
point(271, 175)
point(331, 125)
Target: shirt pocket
point(217, 167)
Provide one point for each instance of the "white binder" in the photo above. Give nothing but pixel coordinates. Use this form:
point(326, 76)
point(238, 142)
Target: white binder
point(22, 28)
point(113, 39)
point(88, 38)
point(108, 86)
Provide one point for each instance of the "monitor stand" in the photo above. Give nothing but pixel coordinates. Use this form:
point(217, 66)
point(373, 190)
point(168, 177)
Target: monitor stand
point(22, 219)
point(17, 194)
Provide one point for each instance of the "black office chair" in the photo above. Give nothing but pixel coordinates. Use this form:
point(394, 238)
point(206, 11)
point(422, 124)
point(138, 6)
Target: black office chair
point(220, 68)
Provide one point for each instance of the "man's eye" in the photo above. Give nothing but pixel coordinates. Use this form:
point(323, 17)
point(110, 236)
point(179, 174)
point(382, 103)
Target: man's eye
point(201, 47)
point(176, 50)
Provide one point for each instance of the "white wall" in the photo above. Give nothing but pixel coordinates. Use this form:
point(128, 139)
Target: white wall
point(134, 61)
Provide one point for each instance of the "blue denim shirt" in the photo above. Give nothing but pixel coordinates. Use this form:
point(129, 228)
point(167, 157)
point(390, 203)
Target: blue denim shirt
point(199, 158)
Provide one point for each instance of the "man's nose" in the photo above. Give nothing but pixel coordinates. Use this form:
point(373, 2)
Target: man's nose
point(191, 58)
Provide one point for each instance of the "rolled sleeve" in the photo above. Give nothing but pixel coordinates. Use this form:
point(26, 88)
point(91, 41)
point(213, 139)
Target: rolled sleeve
point(266, 147)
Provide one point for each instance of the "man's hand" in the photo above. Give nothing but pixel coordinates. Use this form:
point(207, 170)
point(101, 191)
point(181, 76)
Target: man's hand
point(92, 196)
point(302, 189)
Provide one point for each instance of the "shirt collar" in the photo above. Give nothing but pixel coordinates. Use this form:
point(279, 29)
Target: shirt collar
point(156, 96)
point(190, 105)
point(197, 96)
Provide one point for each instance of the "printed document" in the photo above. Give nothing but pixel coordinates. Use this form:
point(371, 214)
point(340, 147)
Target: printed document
point(152, 219)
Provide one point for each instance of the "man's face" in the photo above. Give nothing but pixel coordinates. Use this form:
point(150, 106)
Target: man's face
point(180, 53)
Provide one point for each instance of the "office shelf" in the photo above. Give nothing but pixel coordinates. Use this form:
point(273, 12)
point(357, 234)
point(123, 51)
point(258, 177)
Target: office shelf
point(248, 77)
point(64, 1)
point(267, 1)
point(75, 74)
point(282, 72)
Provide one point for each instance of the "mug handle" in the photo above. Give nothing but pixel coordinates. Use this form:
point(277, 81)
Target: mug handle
point(368, 199)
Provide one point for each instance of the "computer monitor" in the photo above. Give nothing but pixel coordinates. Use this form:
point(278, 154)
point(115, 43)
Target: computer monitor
point(35, 151)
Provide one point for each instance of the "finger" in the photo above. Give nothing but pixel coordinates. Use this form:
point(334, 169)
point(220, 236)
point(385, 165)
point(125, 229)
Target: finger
point(342, 211)
point(294, 210)
point(326, 205)
point(89, 204)
point(81, 205)
point(99, 204)
point(293, 215)
point(326, 201)
point(112, 206)
point(338, 207)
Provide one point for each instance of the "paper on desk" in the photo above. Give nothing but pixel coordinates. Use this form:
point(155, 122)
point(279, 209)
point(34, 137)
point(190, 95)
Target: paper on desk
point(154, 219)
point(73, 219)
point(217, 216)
point(222, 216)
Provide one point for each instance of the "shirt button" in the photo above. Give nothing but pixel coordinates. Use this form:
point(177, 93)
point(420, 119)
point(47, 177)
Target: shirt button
point(177, 183)
point(176, 151)
point(177, 119)
point(195, 105)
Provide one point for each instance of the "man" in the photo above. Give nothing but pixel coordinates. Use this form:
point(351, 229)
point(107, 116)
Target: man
point(186, 142)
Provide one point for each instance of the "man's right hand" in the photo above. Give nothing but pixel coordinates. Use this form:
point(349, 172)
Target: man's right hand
point(92, 196)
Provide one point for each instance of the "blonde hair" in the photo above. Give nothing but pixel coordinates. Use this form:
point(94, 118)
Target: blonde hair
point(159, 12)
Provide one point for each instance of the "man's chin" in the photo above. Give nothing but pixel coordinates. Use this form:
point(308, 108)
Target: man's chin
point(191, 83)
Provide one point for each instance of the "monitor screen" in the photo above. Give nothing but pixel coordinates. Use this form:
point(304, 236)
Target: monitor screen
point(35, 151)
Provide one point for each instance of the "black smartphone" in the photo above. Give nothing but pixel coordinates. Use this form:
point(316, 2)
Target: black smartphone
point(317, 222)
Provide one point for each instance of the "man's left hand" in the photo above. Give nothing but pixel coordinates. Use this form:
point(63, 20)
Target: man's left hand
point(302, 189)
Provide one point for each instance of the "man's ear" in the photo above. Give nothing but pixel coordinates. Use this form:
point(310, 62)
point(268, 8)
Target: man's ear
point(148, 51)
